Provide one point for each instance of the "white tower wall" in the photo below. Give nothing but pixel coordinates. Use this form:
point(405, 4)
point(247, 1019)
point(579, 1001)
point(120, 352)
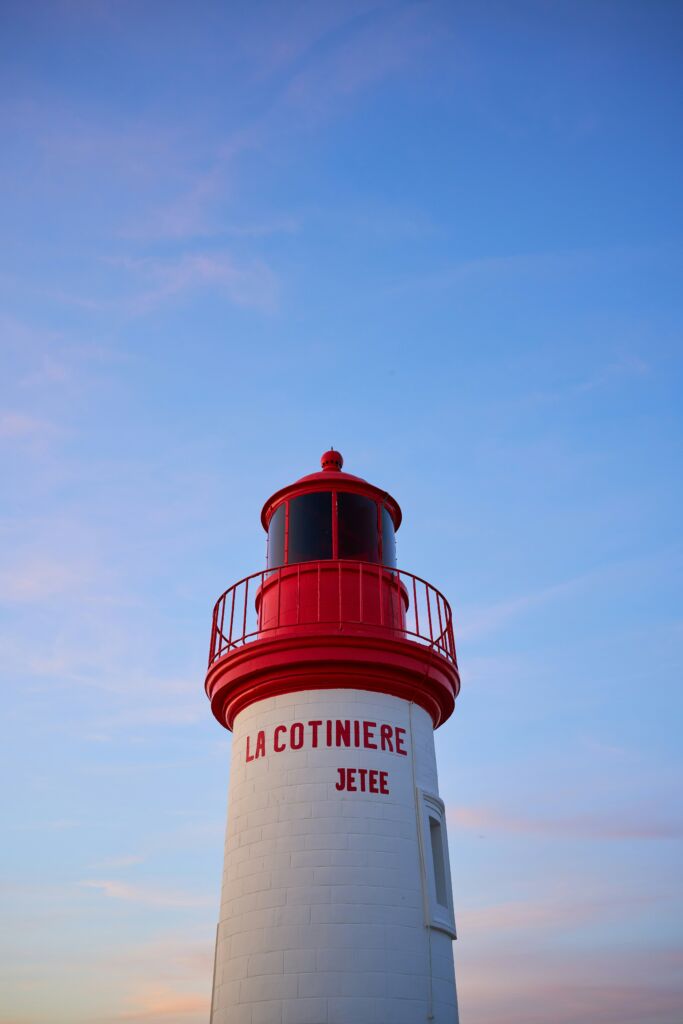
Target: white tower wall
point(336, 907)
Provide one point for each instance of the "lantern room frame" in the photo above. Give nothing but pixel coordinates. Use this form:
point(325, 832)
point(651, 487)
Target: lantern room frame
point(382, 506)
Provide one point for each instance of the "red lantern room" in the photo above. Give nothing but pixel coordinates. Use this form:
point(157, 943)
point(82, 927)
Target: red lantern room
point(331, 609)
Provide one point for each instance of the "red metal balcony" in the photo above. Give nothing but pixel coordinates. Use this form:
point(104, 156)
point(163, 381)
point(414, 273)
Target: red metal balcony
point(324, 596)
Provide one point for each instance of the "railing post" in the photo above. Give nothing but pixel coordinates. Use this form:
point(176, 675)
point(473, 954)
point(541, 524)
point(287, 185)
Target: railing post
point(232, 615)
point(440, 641)
point(318, 617)
point(398, 598)
point(222, 616)
point(444, 640)
point(212, 645)
point(380, 583)
point(298, 593)
point(244, 616)
point(279, 591)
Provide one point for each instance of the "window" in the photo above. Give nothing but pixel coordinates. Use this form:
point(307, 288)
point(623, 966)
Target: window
point(310, 527)
point(276, 537)
point(436, 864)
point(358, 536)
point(388, 539)
point(302, 529)
point(437, 861)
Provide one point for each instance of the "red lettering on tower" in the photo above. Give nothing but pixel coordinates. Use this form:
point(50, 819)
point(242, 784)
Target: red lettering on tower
point(363, 780)
point(277, 746)
point(343, 736)
point(260, 746)
point(385, 733)
point(369, 735)
point(314, 732)
point(331, 733)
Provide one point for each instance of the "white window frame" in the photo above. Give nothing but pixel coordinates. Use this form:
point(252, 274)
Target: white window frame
point(439, 915)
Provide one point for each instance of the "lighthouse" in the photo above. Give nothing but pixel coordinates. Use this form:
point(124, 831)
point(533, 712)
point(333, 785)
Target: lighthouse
point(332, 667)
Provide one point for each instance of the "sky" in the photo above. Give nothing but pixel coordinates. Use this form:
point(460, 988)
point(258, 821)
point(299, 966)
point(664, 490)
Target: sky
point(444, 237)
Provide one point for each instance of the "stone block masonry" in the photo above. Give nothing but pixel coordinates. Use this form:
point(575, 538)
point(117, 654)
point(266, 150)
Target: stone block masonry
point(324, 912)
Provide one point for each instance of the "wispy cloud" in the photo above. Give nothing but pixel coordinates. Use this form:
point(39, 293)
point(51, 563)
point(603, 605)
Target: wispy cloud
point(318, 59)
point(245, 283)
point(544, 264)
point(631, 825)
point(128, 861)
point(21, 426)
point(382, 45)
point(250, 284)
point(476, 621)
point(626, 366)
point(547, 914)
point(145, 895)
point(613, 986)
point(483, 620)
point(149, 283)
point(165, 1004)
point(198, 207)
point(41, 578)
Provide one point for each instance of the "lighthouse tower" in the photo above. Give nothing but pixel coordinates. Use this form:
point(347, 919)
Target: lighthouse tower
point(333, 668)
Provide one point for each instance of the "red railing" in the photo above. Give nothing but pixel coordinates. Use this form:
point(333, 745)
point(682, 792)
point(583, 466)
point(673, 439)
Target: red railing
point(357, 597)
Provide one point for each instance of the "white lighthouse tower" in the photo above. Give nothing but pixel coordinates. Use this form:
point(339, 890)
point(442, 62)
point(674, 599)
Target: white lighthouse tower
point(332, 668)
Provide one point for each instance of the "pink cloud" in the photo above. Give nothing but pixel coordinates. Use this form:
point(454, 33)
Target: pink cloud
point(19, 426)
point(147, 895)
point(580, 826)
point(41, 578)
point(163, 1003)
point(619, 986)
point(553, 916)
point(251, 284)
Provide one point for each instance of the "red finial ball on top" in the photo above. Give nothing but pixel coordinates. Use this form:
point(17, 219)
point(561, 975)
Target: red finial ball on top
point(332, 460)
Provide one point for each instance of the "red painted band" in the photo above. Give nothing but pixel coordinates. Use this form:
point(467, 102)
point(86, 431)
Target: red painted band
point(298, 662)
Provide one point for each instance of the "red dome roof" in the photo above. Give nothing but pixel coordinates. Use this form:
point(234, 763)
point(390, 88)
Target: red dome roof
point(331, 478)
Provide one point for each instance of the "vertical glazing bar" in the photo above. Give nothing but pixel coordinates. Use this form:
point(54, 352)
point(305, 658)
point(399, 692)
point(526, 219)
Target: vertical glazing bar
point(286, 552)
point(244, 616)
point(339, 587)
point(360, 591)
point(380, 539)
point(318, 618)
point(429, 613)
point(415, 611)
point(335, 525)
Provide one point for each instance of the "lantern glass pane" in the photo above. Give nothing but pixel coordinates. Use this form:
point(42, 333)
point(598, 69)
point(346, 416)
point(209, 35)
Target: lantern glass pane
point(276, 538)
point(358, 533)
point(310, 527)
point(388, 539)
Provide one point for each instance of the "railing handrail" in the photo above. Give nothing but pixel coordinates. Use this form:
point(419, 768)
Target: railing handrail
point(439, 636)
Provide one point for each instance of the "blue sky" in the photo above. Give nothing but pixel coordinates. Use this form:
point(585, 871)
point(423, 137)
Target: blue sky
point(446, 238)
